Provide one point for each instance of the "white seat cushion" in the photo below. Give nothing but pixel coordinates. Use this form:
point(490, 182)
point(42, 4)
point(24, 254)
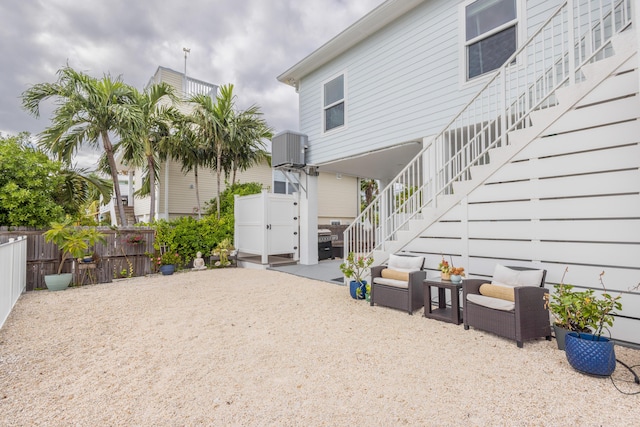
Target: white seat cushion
point(490, 302)
point(391, 282)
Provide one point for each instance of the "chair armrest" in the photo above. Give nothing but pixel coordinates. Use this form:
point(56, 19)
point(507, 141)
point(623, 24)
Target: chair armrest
point(416, 278)
point(529, 297)
point(377, 271)
point(471, 286)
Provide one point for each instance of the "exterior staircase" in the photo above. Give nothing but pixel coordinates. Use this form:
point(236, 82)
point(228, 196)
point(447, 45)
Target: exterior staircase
point(560, 65)
point(130, 214)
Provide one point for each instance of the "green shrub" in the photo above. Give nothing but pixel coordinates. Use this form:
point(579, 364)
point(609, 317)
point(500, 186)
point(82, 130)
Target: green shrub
point(187, 236)
point(227, 197)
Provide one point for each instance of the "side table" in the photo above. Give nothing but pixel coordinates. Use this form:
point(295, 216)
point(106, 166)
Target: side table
point(443, 313)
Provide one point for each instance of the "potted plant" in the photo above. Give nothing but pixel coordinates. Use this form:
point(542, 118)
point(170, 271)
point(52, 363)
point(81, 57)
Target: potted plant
point(72, 242)
point(166, 262)
point(354, 268)
point(456, 274)
point(221, 253)
point(445, 270)
point(586, 316)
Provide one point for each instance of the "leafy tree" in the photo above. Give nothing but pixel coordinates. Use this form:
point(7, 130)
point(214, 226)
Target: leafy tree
point(228, 197)
point(88, 110)
point(29, 185)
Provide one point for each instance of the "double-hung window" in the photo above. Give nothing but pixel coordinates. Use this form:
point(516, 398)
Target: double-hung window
point(491, 34)
point(334, 103)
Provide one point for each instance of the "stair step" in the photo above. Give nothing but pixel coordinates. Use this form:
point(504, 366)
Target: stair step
point(462, 187)
point(624, 42)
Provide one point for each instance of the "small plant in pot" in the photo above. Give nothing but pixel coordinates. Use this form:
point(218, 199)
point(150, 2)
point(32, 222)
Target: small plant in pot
point(445, 269)
point(355, 268)
point(166, 262)
point(73, 242)
point(456, 274)
point(586, 316)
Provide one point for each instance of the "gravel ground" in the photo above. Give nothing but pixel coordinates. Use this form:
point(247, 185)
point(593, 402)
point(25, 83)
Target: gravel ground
point(252, 348)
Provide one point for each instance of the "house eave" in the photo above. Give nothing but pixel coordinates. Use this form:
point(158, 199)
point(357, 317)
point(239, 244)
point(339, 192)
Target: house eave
point(375, 20)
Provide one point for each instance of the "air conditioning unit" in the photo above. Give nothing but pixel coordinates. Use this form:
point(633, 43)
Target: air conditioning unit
point(287, 149)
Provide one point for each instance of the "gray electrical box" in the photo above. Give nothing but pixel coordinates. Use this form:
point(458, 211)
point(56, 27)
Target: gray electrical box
point(287, 149)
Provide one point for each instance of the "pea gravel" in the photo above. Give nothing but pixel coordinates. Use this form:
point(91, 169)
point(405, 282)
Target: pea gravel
point(263, 348)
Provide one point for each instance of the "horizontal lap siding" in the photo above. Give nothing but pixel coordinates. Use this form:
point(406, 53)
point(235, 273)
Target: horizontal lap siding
point(402, 82)
point(568, 200)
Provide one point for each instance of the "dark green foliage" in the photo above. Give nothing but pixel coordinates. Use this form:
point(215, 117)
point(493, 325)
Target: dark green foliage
point(227, 197)
point(187, 236)
point(29, 182)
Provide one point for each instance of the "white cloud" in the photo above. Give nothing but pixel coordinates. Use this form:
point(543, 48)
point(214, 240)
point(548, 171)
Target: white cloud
point(244, 42)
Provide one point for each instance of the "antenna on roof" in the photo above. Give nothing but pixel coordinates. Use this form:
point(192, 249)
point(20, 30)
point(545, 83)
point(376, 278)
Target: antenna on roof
point(186, 52)
point(185, 84)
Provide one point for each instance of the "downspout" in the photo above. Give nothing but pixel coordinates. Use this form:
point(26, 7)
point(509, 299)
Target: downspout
point(166, 190)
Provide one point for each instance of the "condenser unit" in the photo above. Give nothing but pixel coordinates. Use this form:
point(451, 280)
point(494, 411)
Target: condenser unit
point(287, 149)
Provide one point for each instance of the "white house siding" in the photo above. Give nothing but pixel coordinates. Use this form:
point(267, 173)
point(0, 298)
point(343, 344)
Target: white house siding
point(402, 83)
point(337, 198)
point(570, 199)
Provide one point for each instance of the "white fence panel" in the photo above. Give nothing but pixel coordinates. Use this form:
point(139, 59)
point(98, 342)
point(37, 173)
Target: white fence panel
point(13, 275)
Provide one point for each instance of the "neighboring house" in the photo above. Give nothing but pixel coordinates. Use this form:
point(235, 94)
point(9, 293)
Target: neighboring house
point(534, 162)
point(175, 191)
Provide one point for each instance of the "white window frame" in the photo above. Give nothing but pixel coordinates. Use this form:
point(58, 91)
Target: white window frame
point(323, 108)
point(521, 37)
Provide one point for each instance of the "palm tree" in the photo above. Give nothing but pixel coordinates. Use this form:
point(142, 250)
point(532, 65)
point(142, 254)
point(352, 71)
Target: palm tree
point(190, 149)
point(80, 188)
point(142, 146)
point(88, 110)
point(215, 127)
point(369, 187)
point(247, 147)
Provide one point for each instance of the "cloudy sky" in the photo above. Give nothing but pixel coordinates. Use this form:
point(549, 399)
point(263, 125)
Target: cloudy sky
point(244, 42)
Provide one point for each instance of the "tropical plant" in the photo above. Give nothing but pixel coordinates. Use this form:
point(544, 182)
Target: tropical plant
point(582, 311)
point(190, 149)
point(369, 190)
point(72, 241)
point(88, 110)
point(355, 267)
point(222, 251)
point(246, 147)
point(145, 144)
point(213, 121)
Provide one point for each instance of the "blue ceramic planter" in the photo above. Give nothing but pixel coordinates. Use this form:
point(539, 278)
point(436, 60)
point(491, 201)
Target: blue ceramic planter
point(590, 354)
point(353, 289)
point(167, 270)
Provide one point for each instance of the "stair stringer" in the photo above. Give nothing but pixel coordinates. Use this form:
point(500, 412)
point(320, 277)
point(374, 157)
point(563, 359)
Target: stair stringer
point(568, 98)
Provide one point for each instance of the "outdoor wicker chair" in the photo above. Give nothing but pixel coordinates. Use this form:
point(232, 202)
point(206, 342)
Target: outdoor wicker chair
point(399, 283)
point(511, 306)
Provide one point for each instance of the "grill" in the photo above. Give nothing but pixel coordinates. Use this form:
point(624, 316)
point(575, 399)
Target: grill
point(325, 248)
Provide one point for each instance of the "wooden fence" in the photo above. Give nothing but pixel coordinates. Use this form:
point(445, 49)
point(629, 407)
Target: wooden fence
point(118, 255)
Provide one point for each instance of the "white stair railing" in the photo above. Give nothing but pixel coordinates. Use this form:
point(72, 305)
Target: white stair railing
point(578, 33)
